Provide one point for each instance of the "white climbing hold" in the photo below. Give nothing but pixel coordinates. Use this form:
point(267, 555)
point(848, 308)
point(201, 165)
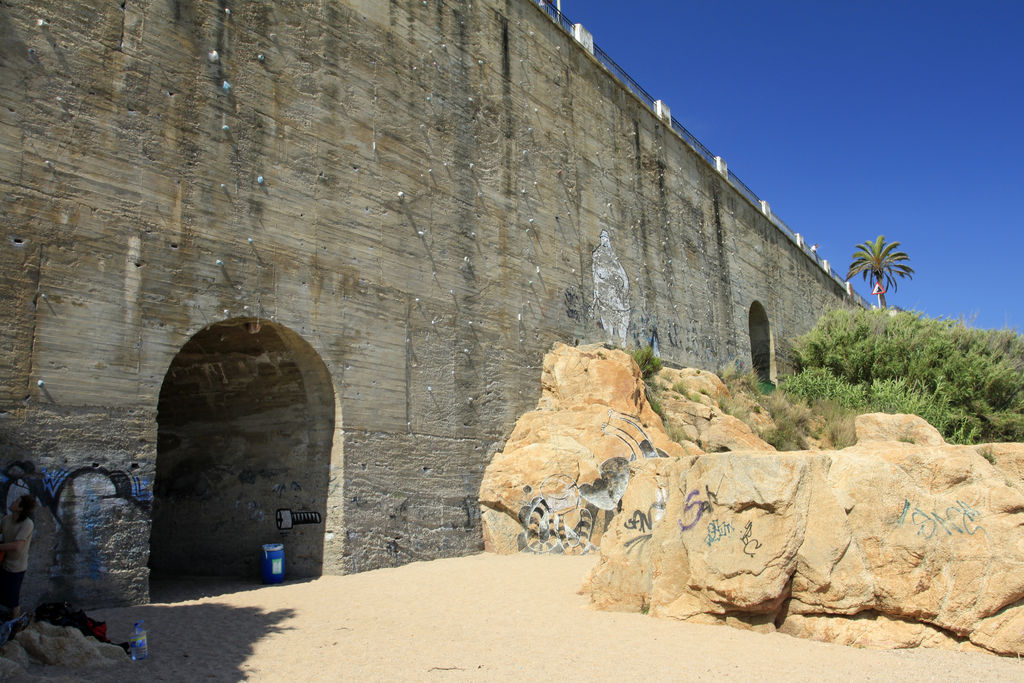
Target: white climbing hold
point(225, 86)
point(259, 179)
point(213, 55)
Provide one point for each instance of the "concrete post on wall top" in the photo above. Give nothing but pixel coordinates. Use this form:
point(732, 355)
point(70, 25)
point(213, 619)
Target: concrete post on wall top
point(765, 209)
point(799, 239)
point(849, 288)
point(721, 167)
point(583, 37)
point(825, 266)
point(663, 112)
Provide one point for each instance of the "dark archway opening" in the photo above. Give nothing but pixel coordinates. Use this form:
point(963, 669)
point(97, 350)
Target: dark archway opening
point(762, 351)
point(245, 423)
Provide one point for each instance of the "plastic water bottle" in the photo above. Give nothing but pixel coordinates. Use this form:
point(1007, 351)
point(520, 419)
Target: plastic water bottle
point(137, 643)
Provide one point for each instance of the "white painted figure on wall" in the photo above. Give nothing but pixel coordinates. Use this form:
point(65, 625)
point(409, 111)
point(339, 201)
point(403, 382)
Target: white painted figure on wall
point(611, 290)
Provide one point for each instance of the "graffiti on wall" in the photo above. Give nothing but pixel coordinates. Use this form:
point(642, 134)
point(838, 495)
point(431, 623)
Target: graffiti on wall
point(47, 485)
point(559, 516)
point(611, 290)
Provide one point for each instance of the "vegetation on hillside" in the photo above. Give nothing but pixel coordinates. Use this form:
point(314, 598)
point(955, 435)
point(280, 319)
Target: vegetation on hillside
point(968, 383)
point(796, 422)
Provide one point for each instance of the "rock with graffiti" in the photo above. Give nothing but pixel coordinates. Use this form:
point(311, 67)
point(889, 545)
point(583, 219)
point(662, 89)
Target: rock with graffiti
point(564, 470)
point(885, 543)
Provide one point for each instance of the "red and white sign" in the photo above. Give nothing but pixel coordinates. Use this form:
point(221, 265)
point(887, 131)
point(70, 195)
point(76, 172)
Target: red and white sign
point(878, 289)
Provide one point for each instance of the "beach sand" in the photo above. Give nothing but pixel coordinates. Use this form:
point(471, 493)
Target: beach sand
point(483, 617)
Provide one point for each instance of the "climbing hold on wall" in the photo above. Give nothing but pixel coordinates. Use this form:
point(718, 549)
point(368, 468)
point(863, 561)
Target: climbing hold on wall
point(225, 86)
point(261, 57)
point(213, 55)
point(259, 179)
point(225, 128)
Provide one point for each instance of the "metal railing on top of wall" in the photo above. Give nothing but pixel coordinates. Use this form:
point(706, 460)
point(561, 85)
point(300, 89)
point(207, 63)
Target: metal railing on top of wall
point(691, 140)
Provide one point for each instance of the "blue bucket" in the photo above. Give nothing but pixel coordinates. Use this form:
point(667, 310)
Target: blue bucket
point(273, 563)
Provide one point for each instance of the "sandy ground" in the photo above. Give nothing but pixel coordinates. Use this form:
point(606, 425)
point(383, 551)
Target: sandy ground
point(484, 617)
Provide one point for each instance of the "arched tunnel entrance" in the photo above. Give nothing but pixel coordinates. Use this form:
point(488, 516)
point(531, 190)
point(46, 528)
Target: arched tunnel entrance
point(762, 347)
point(245, 424)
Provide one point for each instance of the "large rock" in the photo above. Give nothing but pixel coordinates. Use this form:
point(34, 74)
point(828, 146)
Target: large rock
point(693, 399)
point(1008, 458)
point(904, 428)
point(925, 543)
point(566, 464)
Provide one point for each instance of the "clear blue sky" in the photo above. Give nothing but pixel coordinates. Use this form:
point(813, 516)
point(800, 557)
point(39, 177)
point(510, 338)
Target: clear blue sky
point(854, 119)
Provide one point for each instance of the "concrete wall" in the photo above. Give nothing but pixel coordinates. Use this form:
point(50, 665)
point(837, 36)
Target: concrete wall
point(413, 201)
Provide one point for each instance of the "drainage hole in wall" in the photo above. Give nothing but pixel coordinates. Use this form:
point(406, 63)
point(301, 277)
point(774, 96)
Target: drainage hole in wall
point(17, 241)
point(174, 245)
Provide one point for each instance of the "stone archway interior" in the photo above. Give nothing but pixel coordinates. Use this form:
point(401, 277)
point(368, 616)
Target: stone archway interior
point(245, 420)
point(761, 351)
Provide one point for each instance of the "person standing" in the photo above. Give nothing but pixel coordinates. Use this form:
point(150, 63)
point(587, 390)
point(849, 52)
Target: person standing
point(17, 529)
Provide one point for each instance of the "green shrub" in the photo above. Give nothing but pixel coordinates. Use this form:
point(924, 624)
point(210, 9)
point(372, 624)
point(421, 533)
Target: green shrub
point(820, 384)
point(968, 383)
point(739, 381)
point(839, 423)
point(792, 423)
point(655, 402)
point(648, 361)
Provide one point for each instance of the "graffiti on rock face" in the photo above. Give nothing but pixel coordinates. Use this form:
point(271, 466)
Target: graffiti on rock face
point(638, 447)
point(694, 510)
point(959, 518)
point(750, 545)
point(644, 523)
point(561, 518)
point(557, 520)
point(717, 530)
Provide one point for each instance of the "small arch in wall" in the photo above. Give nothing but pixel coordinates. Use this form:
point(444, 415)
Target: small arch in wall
point(245, 424)
point(762, 343)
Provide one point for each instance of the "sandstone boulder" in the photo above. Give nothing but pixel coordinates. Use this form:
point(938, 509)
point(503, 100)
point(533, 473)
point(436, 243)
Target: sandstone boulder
point(692, 400)
point(904, 428)
point(886, 544)
point(566, 464)
point(1008, 458)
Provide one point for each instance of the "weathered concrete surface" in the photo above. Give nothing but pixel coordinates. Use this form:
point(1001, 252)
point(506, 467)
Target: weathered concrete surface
point(446, 190)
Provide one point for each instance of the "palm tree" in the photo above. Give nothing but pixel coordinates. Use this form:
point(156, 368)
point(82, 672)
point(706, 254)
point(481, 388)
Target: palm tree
point(880, 262)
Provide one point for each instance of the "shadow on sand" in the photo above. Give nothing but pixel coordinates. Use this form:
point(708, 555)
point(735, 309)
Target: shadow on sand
point(178, 630)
